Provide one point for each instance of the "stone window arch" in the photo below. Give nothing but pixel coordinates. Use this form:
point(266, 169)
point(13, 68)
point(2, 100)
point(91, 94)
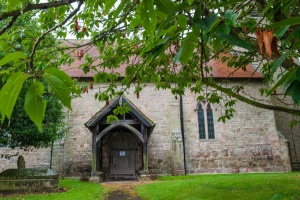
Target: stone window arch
point(206, 120)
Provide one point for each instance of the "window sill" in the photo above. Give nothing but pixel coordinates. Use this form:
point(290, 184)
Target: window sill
point(208, 140)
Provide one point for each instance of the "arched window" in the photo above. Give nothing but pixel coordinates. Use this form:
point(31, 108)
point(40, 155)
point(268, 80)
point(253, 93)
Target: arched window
point(201, 122)
point(210, 122)
point(206, 121)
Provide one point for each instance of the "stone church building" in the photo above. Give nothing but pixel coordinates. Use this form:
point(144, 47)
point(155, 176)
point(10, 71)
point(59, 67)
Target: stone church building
point(164, 135)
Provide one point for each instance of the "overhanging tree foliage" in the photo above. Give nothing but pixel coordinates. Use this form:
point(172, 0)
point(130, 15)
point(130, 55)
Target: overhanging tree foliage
point(168, 43)
point(21, 132)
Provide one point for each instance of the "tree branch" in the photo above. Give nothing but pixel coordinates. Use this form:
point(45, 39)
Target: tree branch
point(48, 31)
point(17, 12)
point(229, 92)
point(10, 23)
point(64, 48)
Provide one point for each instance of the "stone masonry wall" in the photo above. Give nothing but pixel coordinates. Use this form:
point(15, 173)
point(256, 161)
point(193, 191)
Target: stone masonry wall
point(292, 134)
point(73, 155)
point(33, 159)
point(247, 143)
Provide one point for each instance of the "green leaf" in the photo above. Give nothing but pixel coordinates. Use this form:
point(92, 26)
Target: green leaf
point(291, 87)
point(165, 6)
point(35, 106)
point(108, 5)
point(198, 14)
point(223, 29)
point(226, 3)
point(150, 45)
point(182, 20)
point(187, 47)
point(296, 93)
point(148, 16)
point(12, 57)
point(230, 18)
point(278, 62)
point(298, 74)
point(157, 50)
point(120, 8)
point(281, 31)
point(270, 4)
point(206, 23)
point(177, 56)
point(4, 72)
point(134, 23)
point(121, 109)
point(112, 118)
point(295, 34)
point(285, 22)
point(235, 41)
point(65, 78)
point(10, 92)
point(11, 4)
point(182, 6)
point(101, 77)
point(58, 87)
point(285, 79)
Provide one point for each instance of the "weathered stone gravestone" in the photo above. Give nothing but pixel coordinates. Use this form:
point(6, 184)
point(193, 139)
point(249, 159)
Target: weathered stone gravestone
point(21, 162)
point(23, 180)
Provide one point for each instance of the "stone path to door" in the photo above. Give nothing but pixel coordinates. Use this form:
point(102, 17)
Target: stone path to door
point(122, 190)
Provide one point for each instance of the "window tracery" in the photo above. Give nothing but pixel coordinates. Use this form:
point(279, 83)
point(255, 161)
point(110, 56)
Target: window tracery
point(206, 121)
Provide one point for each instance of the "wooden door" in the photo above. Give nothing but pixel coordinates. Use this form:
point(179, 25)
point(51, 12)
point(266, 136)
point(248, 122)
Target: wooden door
point(122, 163)
point(122, 156)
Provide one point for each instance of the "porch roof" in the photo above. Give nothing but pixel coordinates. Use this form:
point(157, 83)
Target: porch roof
point(143, 119)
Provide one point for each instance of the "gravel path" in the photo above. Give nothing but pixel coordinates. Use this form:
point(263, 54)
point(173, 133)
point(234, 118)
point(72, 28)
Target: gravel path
point(122, 190)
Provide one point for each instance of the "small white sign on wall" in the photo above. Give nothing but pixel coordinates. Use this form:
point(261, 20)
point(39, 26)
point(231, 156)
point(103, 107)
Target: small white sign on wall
point(122, 153)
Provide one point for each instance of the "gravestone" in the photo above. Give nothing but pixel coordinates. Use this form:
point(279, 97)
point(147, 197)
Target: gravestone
point(21, 162)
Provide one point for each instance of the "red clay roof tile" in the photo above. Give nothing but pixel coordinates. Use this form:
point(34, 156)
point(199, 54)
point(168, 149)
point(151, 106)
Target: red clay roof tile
point(220, 70)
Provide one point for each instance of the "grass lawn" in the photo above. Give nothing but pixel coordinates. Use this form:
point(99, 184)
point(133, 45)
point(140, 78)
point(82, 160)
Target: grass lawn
point(273, 186)
point(77, 190)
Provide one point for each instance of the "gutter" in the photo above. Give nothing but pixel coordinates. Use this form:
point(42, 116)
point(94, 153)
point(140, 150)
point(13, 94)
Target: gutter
point(182, 133)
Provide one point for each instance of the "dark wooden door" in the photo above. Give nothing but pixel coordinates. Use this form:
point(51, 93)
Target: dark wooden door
point(122, 157)
point(122, 163)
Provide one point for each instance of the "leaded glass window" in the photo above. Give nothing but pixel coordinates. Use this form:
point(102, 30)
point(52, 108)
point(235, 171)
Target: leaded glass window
point(201, 122)
point(206, 121)
point(210, 122)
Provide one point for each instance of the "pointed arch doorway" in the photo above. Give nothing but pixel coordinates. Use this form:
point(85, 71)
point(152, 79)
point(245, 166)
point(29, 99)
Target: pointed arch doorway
point(120, 149)
point(124, 156)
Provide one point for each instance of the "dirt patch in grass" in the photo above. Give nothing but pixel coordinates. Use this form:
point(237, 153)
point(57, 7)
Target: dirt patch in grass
point(122, 190)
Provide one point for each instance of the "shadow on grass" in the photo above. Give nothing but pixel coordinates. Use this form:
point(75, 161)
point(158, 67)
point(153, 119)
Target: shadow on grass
point(71, 189)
